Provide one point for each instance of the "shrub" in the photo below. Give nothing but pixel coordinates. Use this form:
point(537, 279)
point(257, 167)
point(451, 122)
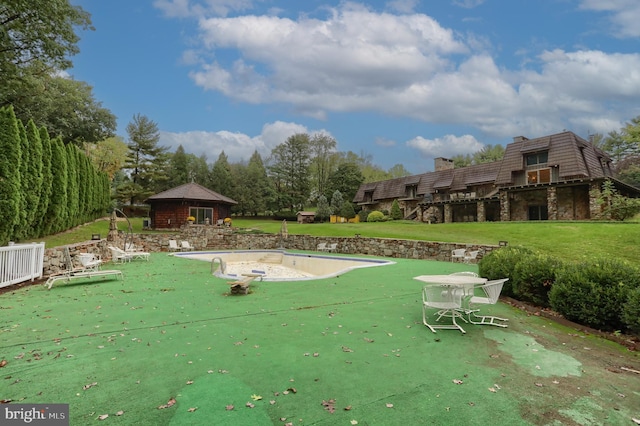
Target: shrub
point(533, 277)
point(375, 216)
point(501, 263)
point(396, 213)
point(362, 214)
point(631, 310)
point(594, 293)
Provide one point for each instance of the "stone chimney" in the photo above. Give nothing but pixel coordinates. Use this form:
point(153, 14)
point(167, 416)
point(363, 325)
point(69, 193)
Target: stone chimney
point(442, 163)
point(520, 138)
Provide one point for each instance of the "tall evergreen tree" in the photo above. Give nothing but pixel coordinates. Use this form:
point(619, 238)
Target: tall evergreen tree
point(21, 228)
point(32, 181)
point(290, 170)
point(58, 213)
point(221, 180)
point(261, 189)
point(47, 176)
point(73, 206)
point(179, 167)
point(144, 159)
point(322, 147)
point(9, 180)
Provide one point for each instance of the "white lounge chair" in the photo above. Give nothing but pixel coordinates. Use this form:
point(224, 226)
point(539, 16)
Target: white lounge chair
point(458, 254)
point(332, 247)
point(447, 301)
point(120, 256)
point(492, 291)
point(173, 245)
point(186, 246)
point(71, 272)
point(321, 247)
point(136, 253)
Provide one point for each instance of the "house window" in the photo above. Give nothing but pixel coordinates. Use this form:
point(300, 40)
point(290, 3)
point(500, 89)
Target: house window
point(538, 213)
point(410, 191)
point(539, 176)
point(201, 214)
point(368, 196)
point(537, 158)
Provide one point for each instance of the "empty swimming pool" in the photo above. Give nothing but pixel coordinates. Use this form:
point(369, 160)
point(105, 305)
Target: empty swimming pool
point(280, 265)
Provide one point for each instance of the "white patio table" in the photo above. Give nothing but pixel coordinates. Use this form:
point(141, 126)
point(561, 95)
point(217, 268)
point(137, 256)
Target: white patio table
point(463, 283)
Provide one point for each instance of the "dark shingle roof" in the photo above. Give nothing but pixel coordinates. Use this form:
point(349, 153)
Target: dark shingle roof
point(191, 191)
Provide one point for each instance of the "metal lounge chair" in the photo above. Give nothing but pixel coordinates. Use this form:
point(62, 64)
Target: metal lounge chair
point(447, 302)
point(120, 256)
point(492, 291)
point(470, 256)
point(173, 245)
point(332, 247)
point(71, 272)
point(458, 254)
point(136, 253)
point(321, 247)
point(186, 246)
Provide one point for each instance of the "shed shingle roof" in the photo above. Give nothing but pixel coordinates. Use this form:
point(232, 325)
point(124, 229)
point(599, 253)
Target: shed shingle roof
point(191, 191)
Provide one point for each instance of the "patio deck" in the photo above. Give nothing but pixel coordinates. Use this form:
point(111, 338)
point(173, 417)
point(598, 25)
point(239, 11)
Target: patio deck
point(353, 344)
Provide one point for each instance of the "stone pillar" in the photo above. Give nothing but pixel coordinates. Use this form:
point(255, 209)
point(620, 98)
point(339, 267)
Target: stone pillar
point(481, 212)
point(505, 207)
point(595, 192)
point(552, 203)
point(448, 213)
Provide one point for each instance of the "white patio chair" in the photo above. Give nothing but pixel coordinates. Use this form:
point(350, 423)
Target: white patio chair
point(321, 247)
point(447, 301)
point(119, 256)
point(186, 246)
point(90, 261)
point(458, 254)
point(173, 245)
point(470, 256)
point(332, 247)
point(492, 291)
point(136, 253)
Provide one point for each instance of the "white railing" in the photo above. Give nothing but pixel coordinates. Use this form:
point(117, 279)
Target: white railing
point(20, 262)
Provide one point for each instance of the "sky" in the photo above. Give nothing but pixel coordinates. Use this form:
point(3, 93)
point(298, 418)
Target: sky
point(397, 81)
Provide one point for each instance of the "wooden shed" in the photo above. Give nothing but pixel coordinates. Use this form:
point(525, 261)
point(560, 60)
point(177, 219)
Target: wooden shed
point(306, 217)
point(171, 208)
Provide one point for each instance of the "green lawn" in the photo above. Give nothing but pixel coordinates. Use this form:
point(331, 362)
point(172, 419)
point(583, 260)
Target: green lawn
point(571, 241)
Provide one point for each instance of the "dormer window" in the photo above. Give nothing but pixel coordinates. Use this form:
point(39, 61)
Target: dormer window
point(537, 158)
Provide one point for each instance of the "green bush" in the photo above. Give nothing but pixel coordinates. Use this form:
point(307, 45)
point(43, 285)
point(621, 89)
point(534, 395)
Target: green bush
point(501, 263)
point(594, 293)
point(631, 311)
point(396, 213)
point(375, 216)
point(533, 277)
point(362, 214)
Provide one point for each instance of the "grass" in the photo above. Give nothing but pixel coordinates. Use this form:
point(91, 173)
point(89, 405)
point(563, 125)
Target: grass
point(570, 241)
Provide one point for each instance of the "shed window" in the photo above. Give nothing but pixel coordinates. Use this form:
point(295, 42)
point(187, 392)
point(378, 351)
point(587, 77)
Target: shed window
point(201, 214)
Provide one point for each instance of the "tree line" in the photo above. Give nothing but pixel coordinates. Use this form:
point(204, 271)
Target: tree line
point(45, 185)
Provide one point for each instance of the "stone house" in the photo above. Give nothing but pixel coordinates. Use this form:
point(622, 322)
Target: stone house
point(171, 208)
point(555, 177)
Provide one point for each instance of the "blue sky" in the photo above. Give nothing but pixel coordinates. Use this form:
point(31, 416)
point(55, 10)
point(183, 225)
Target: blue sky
point(401, 81)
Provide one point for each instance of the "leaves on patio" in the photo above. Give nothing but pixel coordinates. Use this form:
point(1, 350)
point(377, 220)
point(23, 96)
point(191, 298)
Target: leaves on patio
point(256, 397)
point(89, 386)
point(458, 381)
point(346, 349)
point(3, 363)
point(329, 405)
point(169, 403)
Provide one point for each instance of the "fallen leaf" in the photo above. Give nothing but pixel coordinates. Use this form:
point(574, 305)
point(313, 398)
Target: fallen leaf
point(293, 390)
point(3, 363)
point(249, 404)
point(119, 413)
point(457, 381)
point(348, 407)
point(256, 397)
point(103, 416)
point(539, 385)
point(354, 422)
point(346, 349)
point(192, 409)
point(493, 390)
point(229, 407)
point(389, 405)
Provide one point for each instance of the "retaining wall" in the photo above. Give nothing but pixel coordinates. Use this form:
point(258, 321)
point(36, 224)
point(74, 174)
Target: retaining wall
point(216, 238)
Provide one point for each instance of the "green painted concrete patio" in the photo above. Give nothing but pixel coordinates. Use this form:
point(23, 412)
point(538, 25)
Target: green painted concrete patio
point(168, 346)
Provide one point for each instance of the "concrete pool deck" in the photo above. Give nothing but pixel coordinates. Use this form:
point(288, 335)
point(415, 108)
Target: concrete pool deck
point(169, 346)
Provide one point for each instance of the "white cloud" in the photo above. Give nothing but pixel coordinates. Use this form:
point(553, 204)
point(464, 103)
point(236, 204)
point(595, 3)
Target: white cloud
point(408, 65)
point(468, 4)
point(624, 15)
point(447, 146)
point(402, 6)
point(237, 146)
point(190, 8)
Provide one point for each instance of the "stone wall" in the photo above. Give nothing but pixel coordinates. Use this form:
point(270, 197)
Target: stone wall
point(216, 238)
